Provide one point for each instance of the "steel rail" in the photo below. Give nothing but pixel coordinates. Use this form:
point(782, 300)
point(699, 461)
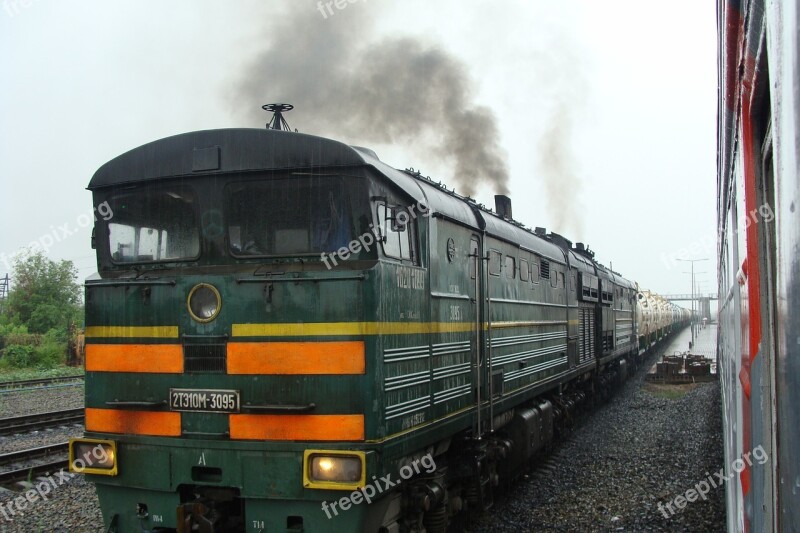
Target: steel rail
point(31, 472)
point(25, 423)
point(28, 383)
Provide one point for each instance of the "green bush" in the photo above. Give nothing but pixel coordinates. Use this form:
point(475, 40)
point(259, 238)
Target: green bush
point(46, 356)
point(17, 356)
point(49, 355)
point(12, 329)
point(8, 330)
point(23, 339)
point(55, 335)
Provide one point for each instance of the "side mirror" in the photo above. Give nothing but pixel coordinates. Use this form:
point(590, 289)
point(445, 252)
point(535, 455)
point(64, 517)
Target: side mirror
point(394, 216)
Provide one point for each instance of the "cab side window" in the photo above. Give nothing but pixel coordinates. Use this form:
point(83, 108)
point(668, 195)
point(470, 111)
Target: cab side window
point(398, 232)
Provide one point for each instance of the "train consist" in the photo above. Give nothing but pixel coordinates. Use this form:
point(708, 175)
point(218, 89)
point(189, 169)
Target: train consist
point(759, 278)
point(285, 333)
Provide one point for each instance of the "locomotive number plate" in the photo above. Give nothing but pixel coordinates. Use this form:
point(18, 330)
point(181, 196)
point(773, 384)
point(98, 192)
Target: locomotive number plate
point(204, 400)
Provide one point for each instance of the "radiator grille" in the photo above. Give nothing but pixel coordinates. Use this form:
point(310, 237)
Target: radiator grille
point(545, 269)
point(205, 358)
point(586, 334)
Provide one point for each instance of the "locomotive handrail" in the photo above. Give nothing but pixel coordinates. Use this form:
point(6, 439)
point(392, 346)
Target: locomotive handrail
point(359, 277)
point(280, 408)
point(450, 295)
point(490, 373)
point(206, 434)
point(478, 326)
point(132, 404)
point(120, 282)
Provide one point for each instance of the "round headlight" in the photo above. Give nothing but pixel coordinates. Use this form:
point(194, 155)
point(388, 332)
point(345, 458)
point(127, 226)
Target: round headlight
point(204, 302)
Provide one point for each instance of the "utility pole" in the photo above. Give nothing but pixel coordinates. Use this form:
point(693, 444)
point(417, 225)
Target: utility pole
point(3, 292)
point(698, 296)
point(692, 261)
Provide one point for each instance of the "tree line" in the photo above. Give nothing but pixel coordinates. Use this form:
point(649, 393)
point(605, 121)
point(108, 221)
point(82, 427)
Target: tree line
point(42, 317)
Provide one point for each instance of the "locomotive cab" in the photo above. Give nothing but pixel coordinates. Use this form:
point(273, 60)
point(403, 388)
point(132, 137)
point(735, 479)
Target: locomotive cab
point(231, 325)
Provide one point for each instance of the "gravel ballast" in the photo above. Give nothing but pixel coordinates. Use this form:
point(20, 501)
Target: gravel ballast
point(69, 504)
point(646, 446)
point(41, 400)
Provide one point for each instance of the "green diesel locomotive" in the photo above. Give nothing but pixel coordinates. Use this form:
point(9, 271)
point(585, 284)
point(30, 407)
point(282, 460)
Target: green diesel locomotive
point(287, 334)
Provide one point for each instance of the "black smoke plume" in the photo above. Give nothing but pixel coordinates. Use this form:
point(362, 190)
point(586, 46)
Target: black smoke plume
point(348, 86)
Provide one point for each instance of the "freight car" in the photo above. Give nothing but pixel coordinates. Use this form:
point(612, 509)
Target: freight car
point(285, 333)
point(656, 317)
point(759, 273)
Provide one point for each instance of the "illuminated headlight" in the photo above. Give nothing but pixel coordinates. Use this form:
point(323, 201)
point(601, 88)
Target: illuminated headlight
point(204, 302)
point(330, 469)
point(92, 456)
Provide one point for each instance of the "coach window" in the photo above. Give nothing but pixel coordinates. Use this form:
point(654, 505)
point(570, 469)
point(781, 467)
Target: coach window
point(554, 279)
point(495, 262)
point(606, 295)
point(511, 267)
point(535, 272)
point(561, 282)
point(397, 231)
point(524, 270)
point(586, 290)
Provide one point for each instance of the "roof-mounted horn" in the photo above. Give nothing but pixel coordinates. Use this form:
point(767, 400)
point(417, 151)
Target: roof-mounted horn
point(277, 122)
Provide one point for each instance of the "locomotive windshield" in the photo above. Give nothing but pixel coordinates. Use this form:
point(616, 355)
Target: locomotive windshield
point(290, 216)
point(152, 225)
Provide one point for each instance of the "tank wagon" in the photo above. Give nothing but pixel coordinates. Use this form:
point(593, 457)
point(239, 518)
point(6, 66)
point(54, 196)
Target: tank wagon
point(285, 333)
point(657, 318)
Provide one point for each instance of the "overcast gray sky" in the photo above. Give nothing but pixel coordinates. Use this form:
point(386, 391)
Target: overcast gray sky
point(623, 91)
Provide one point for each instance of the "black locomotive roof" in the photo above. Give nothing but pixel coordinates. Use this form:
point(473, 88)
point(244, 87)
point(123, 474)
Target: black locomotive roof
point(205, 152)
point(226, 150)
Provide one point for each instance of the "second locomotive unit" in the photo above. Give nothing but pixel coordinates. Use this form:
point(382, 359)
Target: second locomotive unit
point(285, 333)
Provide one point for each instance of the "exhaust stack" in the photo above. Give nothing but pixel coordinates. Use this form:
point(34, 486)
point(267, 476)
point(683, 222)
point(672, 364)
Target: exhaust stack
point(502, 205)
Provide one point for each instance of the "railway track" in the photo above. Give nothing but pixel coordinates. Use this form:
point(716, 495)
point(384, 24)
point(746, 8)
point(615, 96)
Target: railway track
point(27, 384)
point(54, 458)
point(23, 424)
